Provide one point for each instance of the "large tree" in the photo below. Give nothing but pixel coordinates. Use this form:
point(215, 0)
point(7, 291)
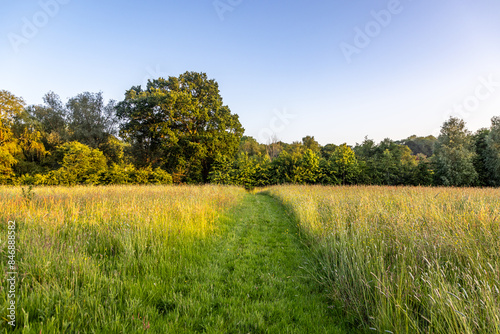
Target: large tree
point(79, 164)
point(423, 145)
point(482, 156)
point(492, 155)
point(180, 124)
point(311, 143)
point(90, 120)
point(387, 163)
point(11, 107)
point(50, 119)
point(345, 164)
point(85, 118)
point(252, 148)
point(454, 155)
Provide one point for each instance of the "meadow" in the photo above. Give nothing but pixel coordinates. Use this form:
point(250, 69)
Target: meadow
point(106, 259)
point(159, 259)
point(405, 259)
point(283, 259)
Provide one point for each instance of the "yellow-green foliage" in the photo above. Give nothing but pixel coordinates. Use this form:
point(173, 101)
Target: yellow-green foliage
point(103, 250)
point(406, 259)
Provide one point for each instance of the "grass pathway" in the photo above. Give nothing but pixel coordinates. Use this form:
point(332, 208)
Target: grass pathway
point(251, 280)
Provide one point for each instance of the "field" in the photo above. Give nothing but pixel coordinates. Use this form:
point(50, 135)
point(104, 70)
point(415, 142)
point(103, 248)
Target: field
point(406, 259)
point(107, 258)
point(163, 259)
point(286, 259)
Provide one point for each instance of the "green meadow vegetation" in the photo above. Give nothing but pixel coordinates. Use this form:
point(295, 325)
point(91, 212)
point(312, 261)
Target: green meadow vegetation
point(405, 259)
point(283, 259)
point(109, 259)
point(160, 259)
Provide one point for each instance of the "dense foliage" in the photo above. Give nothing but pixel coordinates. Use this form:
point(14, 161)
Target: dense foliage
point(180, 124)
point(456, 158)
point(178, 130)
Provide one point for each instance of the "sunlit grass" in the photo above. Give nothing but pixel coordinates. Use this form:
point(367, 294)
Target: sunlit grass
point(104, 258)
point(156, 258)
point(406, 259)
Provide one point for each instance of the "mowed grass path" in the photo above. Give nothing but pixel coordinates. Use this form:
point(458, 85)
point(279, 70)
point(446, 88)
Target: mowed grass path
point(253, 279)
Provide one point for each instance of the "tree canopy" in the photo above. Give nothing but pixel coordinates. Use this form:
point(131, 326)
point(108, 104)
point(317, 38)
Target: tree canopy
point(454, 155)
point(179, 130)
point(180, 124)
point(11, 107)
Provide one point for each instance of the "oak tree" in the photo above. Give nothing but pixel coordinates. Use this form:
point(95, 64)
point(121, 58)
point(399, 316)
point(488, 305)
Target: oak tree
point(179, 124)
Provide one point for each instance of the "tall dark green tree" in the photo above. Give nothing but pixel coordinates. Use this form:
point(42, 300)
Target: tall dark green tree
point(310, 143)
point(51, 120)
point(454, 155)
point(180, 124)
point(424, 175)
point(366, 155)
point(492, 156)
point(481, 159)
point(90, 120)
point(387, 163)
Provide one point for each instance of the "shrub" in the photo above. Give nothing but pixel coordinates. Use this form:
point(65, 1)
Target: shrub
point(80, 164)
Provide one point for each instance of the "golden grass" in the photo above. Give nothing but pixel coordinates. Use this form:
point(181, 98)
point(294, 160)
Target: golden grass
point(186, 209)
point(86, 255)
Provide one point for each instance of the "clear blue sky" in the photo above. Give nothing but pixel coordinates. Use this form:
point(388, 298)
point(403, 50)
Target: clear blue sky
point(271, 57)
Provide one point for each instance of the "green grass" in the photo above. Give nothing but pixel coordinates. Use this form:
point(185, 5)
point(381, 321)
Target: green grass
point(253, 281)
point(108, 259)
point(161, 260)
point(290, 259)
point(405, 259)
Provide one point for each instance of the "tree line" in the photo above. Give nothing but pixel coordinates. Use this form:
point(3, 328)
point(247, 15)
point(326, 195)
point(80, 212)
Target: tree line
point(178, 130)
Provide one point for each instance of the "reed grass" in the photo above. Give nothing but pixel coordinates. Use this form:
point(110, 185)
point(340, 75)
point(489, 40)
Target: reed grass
point(405, 259)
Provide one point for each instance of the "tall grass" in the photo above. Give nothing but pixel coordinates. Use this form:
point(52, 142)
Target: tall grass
point(406, 259)
point(102, 259)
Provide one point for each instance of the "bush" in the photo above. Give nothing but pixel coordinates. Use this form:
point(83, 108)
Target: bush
point(116, 174)
point(80, 164)
point(159, 176)
point(119, 174)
